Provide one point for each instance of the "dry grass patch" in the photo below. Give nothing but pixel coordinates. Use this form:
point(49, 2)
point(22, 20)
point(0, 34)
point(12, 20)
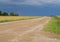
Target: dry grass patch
point(14, 18)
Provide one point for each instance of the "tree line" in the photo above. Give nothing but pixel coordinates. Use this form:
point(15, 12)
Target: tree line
point(8, 14)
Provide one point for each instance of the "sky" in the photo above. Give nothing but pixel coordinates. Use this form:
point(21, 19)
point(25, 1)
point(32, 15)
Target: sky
point(31, 7)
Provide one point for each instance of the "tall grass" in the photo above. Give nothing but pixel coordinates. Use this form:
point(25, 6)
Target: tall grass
point(53, 26)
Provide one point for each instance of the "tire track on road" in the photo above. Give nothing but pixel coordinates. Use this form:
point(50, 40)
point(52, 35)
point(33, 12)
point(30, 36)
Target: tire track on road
point(35, 28)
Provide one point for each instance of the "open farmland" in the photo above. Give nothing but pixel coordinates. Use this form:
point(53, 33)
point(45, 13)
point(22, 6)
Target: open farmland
point(15, 18)
point(25, 31)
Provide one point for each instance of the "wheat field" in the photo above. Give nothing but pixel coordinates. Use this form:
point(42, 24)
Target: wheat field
point(12, 18)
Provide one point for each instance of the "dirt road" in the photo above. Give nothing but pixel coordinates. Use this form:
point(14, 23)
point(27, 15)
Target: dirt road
point(25, 31)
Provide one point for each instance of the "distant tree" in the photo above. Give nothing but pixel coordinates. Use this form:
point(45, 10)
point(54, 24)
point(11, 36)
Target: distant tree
point(5, 14)
point(0, 13)
point(16, 14)
point(12, 14)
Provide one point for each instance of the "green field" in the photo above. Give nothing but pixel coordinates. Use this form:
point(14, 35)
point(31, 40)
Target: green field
point(53, 26)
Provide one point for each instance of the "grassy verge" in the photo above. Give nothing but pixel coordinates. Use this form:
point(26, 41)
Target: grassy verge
point(15, 18)
point(53, 26)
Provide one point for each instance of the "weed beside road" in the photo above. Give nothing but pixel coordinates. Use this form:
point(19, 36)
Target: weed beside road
point(53, 26)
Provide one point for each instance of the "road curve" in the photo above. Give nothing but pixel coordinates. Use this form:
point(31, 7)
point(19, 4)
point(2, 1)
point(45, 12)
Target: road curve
point(25, 31)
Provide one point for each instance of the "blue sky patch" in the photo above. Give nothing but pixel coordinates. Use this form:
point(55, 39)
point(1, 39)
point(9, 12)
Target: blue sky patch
point(31, 7)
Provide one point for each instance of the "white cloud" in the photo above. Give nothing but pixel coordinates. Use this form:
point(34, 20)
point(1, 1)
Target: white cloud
point(31, 2)
point(39, 2)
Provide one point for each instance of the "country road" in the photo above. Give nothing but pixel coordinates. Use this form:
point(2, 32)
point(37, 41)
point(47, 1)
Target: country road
point(25, 31)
